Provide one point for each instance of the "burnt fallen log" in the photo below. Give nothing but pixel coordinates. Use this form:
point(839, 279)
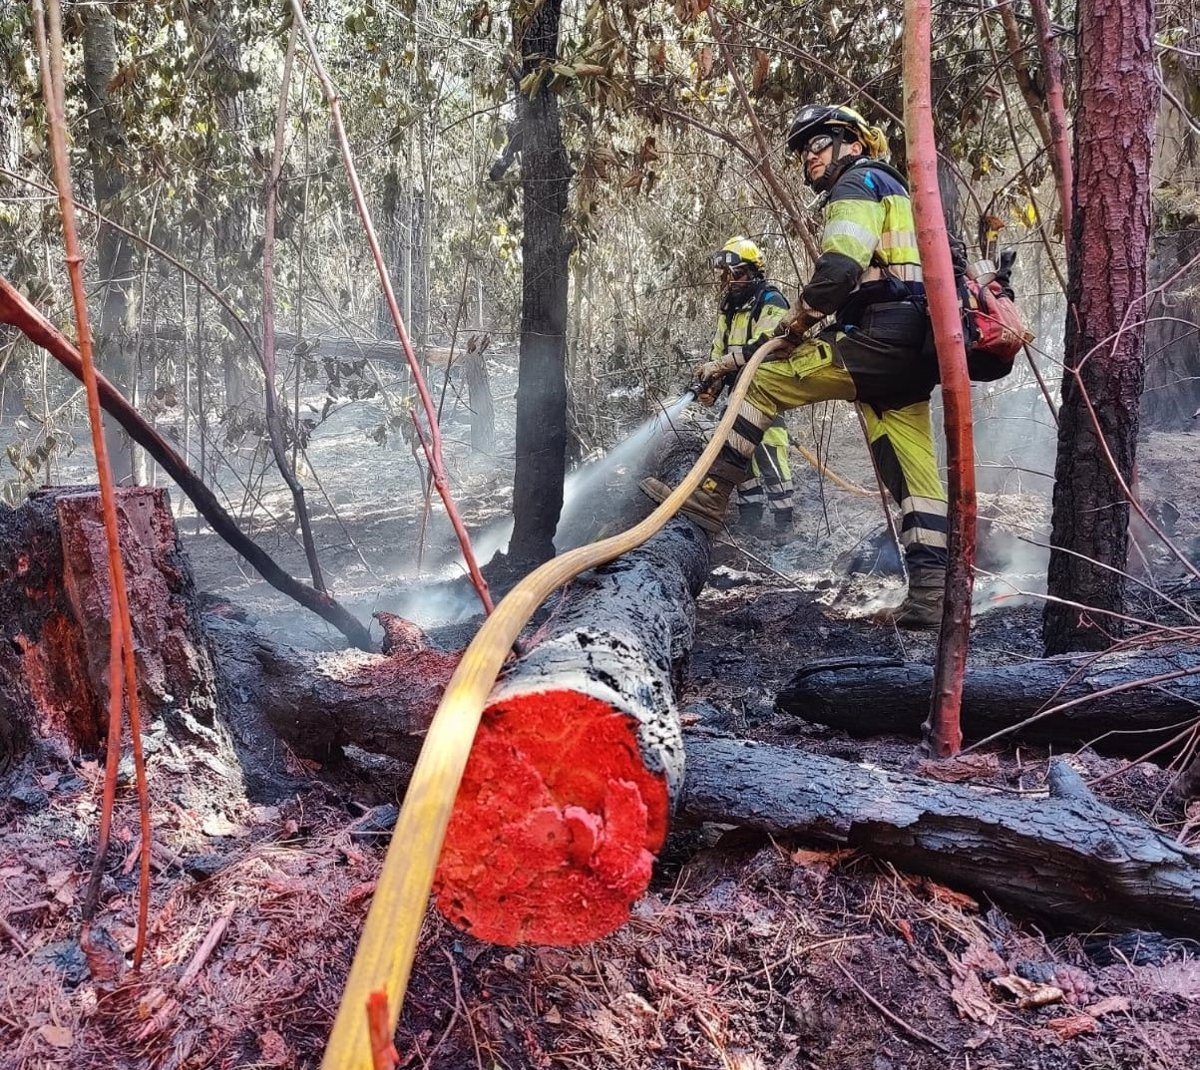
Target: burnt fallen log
point(318, 702)
point(1148, 695)
point(568, 792)
point(1067, 857)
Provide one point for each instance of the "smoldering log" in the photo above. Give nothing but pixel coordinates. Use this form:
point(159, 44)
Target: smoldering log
point(1067, 857)
point(876, 696)
point(320, 701)
point(568, 792)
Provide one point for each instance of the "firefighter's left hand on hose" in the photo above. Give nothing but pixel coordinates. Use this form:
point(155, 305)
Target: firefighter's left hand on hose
point(713, 371)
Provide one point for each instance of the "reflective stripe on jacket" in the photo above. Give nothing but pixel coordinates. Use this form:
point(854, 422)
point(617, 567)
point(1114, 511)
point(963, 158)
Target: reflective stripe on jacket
point(745, 327)
point(869, 244)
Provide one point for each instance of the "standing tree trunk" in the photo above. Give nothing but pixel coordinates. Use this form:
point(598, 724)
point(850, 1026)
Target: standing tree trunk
point(106, 141)
point(1104, 351)
point(541, 385)
point(942, 733)
point(231, 225)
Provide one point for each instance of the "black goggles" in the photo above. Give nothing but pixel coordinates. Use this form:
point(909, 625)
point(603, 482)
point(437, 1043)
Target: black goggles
point(814, 146)
point(727, 260)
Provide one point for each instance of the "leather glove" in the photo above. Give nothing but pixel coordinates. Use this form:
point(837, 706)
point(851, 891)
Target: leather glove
point(715, 370)
point(708, 394)
point(802, 320)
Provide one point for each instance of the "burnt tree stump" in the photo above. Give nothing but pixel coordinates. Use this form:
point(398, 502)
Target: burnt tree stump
point(55, 612)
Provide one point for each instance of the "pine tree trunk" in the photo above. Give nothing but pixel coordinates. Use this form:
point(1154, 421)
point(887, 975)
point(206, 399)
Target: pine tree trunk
point(114, 342)
point(541, 439)
point(1104, 353)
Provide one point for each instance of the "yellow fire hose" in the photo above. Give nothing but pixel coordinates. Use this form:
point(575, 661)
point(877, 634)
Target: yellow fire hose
point(388, 942)
point(830, 474)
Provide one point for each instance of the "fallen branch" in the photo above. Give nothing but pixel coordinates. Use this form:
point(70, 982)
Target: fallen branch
point(1066, 857)
point(18, 312)
point(207, 946)
point(891, 1016)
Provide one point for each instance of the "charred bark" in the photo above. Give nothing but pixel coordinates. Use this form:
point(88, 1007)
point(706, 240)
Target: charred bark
point(318, 702)
point(1104, 351)
point(54, 605)
point(876, 696)
point(1067, 857)
point(541, 439)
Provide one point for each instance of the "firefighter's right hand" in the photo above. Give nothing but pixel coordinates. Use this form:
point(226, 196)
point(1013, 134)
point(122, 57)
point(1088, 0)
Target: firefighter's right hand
point(709, 392)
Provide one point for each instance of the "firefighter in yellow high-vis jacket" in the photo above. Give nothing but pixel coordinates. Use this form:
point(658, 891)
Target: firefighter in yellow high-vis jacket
point(868, 279)
point(750, 312)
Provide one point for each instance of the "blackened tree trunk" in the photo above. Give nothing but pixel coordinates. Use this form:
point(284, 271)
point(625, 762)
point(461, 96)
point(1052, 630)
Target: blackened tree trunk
point(106, 141)
point(541, 446)
point(1105, 359)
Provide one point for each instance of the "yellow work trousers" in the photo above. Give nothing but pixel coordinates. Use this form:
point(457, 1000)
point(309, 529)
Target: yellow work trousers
point(901, 440)
point(770, 476)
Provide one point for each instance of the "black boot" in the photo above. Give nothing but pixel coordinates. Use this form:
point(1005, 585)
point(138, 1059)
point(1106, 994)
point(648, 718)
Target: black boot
point(750, 517)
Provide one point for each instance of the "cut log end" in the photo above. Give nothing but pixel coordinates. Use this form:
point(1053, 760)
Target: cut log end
point(556, 824)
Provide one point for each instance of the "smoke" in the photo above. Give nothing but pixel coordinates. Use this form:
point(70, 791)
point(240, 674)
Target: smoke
point(1016, 440)
point(599, 489)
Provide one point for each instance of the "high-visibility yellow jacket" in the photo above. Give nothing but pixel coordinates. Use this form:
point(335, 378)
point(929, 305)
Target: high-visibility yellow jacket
point(751, 322)
point(869, 244)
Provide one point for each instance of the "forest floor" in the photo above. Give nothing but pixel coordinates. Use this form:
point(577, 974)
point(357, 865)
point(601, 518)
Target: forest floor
point(747, 953)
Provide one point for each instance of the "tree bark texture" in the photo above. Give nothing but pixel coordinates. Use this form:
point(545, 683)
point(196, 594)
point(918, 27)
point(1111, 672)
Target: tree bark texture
point(1104, 352)
point(943, 734)
point(55, 606)
point(567, 795)
point(541, 438)
point(1067, 857)
point(114, 252)
point(877, 696)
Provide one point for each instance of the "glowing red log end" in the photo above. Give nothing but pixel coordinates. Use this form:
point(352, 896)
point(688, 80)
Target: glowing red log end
point(556, 824)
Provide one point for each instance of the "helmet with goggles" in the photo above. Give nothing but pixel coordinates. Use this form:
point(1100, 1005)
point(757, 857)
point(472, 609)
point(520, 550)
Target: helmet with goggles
point(824, 120)
point(739, 256)
point(819, 126)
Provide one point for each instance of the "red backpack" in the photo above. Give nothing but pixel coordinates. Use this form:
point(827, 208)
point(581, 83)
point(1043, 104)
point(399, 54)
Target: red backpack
point(993, 329)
